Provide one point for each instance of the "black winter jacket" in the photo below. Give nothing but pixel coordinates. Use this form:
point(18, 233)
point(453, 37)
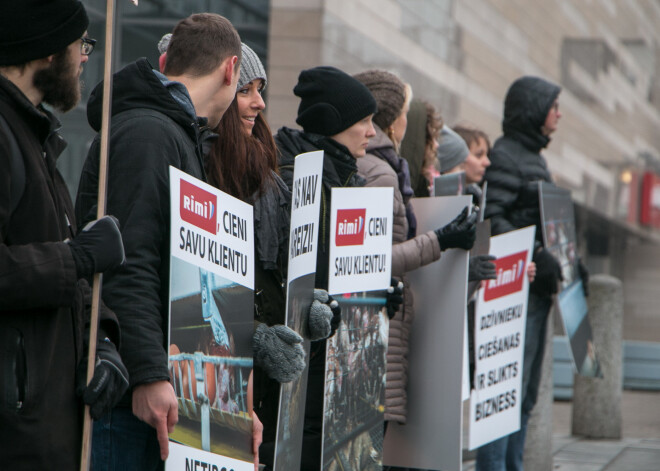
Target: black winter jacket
point(42, 302)
point(150, 131)
point(339, 170)
point(272, 216)
point(516, 163)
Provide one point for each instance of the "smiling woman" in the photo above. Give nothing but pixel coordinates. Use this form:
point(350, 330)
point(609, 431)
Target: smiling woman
point(243, 163)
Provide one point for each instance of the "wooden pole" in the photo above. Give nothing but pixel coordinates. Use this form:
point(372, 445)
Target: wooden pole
point(100, 212)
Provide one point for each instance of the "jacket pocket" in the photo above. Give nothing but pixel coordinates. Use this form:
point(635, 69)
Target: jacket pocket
point(13, 370)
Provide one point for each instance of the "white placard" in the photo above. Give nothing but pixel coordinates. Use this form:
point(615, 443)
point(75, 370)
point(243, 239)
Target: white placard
point(185, 458)
point(499, 340)
point(305, 204)
point(211, 229)
point(303, 243)
point(210, 326)
point(360, 239)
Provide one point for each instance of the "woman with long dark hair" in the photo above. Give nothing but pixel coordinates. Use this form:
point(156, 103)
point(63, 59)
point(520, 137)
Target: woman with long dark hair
point(243, 163)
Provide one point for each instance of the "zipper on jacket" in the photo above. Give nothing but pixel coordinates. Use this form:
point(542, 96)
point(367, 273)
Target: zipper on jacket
point(13, 370)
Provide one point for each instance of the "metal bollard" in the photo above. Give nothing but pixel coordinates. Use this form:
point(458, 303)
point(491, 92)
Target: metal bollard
point(538, 443)
point(597, 401)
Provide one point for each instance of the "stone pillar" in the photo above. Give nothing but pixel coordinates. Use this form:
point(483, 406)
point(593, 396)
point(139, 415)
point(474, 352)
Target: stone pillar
point(538, 443)
point(597, 401)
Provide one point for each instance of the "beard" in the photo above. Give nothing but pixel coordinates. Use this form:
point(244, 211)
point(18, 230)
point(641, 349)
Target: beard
point(59, 82)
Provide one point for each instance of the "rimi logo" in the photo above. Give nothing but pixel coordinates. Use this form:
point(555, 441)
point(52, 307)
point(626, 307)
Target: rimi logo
point(511, 273)
point(198, 207)
point(350, 227)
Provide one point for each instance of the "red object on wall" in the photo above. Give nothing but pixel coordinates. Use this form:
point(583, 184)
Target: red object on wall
point(650, 204)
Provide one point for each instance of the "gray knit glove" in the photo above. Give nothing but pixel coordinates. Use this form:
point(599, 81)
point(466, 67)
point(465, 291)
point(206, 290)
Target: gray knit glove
point(278, 351)
point(322, 313)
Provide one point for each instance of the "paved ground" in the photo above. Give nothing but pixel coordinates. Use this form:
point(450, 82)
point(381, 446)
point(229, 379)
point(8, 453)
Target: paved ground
point(638, 450)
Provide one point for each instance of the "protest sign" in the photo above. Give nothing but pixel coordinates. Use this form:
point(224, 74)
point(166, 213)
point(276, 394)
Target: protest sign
point(450, 184)
point(431, 437)
point(499, 340)
point(360, 271)
point(303, 241)
point(558, 223)
point(211, 326)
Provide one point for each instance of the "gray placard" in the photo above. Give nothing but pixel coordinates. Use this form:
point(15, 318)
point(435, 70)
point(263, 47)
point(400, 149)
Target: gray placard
point(432, 436)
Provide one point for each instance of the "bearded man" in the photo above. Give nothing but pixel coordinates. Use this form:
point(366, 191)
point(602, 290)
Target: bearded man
point(44, 267)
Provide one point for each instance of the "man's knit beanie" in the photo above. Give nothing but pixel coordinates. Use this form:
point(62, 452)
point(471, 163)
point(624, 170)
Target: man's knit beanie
point(389, 92)
point(251, 67)
point(32, 29)
point(452, 150)
point(331, 101)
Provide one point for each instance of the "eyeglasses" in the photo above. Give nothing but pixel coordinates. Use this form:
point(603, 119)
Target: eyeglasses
point(87, 46)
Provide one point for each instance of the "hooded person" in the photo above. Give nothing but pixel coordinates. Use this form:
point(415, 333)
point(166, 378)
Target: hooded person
point(383, 167)
point(158, 120)
point(531, 114)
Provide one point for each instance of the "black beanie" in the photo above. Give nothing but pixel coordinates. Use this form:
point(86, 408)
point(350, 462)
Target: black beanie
point(331, 101)
point(32, 29)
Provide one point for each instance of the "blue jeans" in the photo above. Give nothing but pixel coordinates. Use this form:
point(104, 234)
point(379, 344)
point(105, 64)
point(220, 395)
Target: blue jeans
point(506, 453)
point(122, 442)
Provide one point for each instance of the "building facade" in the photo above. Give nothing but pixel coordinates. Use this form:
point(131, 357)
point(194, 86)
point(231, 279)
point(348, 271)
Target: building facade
point(461, 56)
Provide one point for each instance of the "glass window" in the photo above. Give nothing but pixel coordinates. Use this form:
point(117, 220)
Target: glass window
point(138, 31)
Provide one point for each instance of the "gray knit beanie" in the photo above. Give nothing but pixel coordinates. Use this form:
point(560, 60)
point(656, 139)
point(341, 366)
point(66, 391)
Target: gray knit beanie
point(164, 42)
point(251, 68)
point(389, 92)
point(452, 150)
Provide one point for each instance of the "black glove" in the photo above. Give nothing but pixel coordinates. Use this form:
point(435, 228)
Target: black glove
point(548, 273)
point(394, 297)
point(460, 233)
point(322, 314)
point(476, 192)
point(278, 351)
point(98, 247)
point(482, 268)
point(109, 383)
point(584, 275)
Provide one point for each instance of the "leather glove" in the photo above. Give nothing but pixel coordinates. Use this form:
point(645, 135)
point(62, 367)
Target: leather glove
point(482, 268)
point(394, 297)
point(278, 351)
point(584, 275)
point(476, 192)
point(322, 313)
point(548, 273)
point(98, 247)
point(460, 233)
point(109, 383)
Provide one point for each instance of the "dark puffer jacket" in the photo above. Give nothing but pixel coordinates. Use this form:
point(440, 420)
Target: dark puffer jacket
point(516, 163)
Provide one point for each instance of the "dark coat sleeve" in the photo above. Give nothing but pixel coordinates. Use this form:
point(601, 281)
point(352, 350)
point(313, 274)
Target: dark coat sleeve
point(504, 184)
point(141, 151)
point(23, 267)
